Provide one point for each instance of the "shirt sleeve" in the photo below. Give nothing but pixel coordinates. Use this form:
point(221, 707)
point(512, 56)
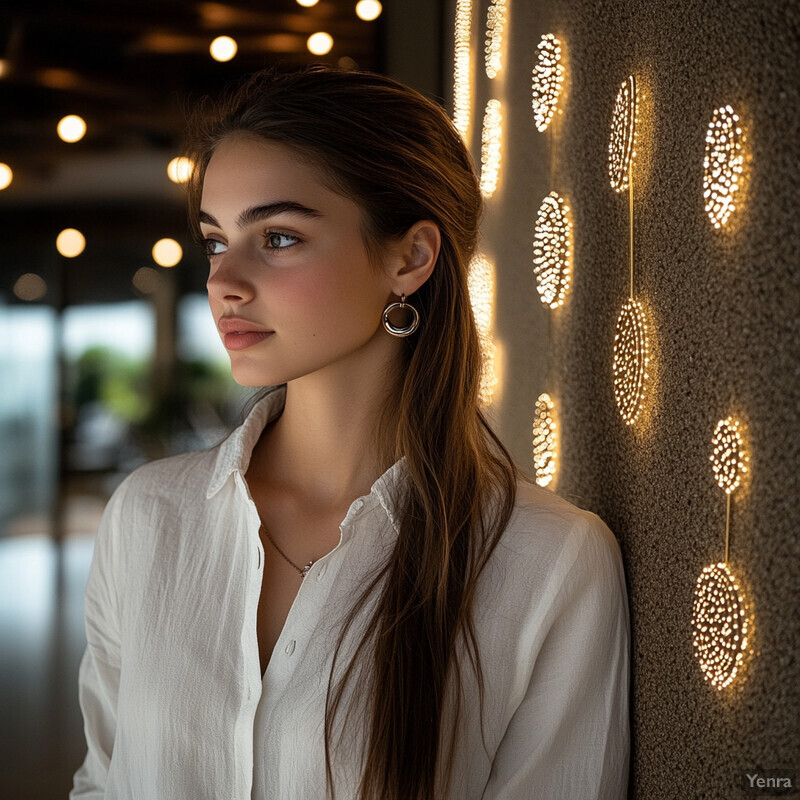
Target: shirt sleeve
point(98, 678)
point(570, 736)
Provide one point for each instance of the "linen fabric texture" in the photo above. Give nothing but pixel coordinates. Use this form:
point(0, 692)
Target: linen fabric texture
point(170, 685)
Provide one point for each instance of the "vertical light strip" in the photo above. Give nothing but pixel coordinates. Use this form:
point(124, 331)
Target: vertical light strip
point(491, 147)
point(548, 79)
point(462, 68)
point(722, 165)
point(552, 250)
point(495, 24)
point(545, 442)
point(622, 144)
point(481, 292)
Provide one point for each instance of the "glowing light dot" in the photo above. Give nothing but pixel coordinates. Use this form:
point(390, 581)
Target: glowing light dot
point(6, 176)
point(223, 48)
point(622, 145)
point(180, 169)
point(728, 457)
point(167, 252)
point(320, 43)
point(495, 23)
point(480, 281)
point(491, 152)
point(722, 165)
point(548, 78)
point(70, 242)
point(552, 250)
point(462, 66)
point(146, 280)
point(307, 3)
point(30, 287)
point(544, 440)
point(368, 10)
point(71, 128)
point(631, 358)
point(720, 625)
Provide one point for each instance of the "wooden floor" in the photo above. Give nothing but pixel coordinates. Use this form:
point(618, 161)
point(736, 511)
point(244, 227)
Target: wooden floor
point(41, 643)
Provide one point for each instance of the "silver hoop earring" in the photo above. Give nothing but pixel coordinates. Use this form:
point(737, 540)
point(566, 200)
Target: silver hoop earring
point(393, 329)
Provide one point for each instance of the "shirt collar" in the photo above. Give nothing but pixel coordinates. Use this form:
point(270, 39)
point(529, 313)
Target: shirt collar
point(234, 454)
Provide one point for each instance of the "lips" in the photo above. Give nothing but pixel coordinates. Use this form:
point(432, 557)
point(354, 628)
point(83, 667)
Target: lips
point(239, 334)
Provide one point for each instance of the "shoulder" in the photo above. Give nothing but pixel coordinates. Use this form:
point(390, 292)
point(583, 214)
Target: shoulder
point(550, 542)
point(174, 481)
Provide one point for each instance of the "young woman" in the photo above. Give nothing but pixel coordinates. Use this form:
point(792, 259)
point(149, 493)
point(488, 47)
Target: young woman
point(356, 595)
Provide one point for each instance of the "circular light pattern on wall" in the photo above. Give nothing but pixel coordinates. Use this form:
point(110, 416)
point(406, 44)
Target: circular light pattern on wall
point(480, 282)
point(552, 250)
point(719, 623)
point(167, 252)
point(544, 440)
point(631, 357)
point(495, 23)
point(70, 242)
point(548, 78)
point(71, 128)
point(622, 144)
point(722, 165)
point(728, 457)
point(491, 153)
point(462, 94)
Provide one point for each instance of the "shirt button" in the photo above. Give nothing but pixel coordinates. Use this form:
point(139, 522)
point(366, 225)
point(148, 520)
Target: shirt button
point(321, 571)
point(290, 648)
point(359, 505)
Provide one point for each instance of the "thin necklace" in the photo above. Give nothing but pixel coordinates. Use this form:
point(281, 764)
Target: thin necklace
point(302, 570)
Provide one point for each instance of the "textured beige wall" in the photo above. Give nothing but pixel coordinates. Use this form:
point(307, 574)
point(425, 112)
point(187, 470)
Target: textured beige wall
point(725, 315)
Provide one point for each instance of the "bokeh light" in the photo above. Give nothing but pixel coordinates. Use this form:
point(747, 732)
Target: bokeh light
point(495, 24)
point(71, 128)
point(548, 79)
point(167, 252)
point(180, 169)
point(552, 250)
point(722, 165)
point(147, 280)
point(728, 456)
point(6, 176)
point(307, 3)
point(480, 282)
point(719, 624)
point(368, 10)
point(29, 287)
point(70, 242)
point(491, 143)
point(320, 43)
point(622, 144)
point(462, 66)
point(631, 359)
point(544, 440)
point(223, 48)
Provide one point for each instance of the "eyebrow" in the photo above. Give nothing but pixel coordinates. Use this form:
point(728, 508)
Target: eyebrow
point(260, 213)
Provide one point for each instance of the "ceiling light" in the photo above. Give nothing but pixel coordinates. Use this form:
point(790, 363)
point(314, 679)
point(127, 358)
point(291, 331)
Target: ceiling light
point(307, 3)
point(368, 10)
point(223, 48)
point(71, 128)
point(167, 252)
point(320, 43)
point(70, 242)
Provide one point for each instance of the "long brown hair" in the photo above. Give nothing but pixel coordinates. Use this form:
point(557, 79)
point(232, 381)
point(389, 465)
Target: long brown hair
point(399, 157)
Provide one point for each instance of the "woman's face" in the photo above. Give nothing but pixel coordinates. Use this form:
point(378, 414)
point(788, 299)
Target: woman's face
point(290, 284)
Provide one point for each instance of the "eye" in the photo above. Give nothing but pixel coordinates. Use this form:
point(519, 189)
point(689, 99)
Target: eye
point(280, 241)
point(214, 247)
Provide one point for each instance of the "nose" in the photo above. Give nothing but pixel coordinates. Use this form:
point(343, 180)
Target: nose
point(227, 282)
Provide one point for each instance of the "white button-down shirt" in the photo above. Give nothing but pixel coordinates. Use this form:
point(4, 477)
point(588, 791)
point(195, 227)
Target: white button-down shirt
point(174, 703)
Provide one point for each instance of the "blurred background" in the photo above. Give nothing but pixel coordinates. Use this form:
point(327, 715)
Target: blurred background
point(108, 354)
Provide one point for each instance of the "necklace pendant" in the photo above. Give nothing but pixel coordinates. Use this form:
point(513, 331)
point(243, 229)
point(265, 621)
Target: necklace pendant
point(306, 568)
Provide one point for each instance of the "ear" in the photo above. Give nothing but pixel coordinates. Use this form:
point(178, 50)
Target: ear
point(415, 257)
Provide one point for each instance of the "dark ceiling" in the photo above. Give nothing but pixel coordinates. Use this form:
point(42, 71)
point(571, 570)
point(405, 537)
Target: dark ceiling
point(131, 70)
